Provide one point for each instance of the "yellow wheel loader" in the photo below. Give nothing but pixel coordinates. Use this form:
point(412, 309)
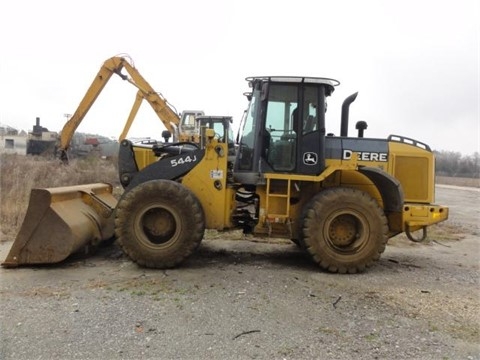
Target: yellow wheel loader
point(339, 197)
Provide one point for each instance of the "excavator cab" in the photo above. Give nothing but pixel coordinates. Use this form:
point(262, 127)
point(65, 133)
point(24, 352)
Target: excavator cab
point(222, 127)
point(188, 127)
point(284, 127)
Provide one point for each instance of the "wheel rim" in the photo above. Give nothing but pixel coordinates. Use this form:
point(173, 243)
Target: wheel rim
point(157, 226)
point(346, 231)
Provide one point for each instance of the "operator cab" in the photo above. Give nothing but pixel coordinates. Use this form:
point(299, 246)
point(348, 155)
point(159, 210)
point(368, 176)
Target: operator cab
point(284, 127)
point(222, 127)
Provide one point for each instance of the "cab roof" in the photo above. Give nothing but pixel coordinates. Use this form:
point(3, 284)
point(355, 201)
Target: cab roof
point(295, 79)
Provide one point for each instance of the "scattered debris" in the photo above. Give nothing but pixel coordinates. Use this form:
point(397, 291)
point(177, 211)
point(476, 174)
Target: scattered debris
point(439, 243)
point(139, 327)
point(245, 333)
point(337, 301)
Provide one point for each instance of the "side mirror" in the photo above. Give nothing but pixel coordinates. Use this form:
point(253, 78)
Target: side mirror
point(166, 135)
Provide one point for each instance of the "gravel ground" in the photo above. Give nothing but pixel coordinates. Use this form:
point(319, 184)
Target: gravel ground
point(254, 300)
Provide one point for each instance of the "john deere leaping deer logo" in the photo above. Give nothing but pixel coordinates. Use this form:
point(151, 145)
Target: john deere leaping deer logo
point(310, 158)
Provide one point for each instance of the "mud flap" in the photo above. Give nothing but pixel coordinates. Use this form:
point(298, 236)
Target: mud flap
point(61, 221)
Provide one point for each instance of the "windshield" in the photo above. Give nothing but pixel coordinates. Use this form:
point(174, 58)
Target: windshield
point(247, 139)
point(249, 125)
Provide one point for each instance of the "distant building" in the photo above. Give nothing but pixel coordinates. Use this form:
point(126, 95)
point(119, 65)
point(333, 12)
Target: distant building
point(41, 141)
point(11, 141)
point(7, 130)
point(13, 144)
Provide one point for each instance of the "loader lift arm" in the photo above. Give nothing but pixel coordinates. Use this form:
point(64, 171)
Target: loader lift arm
point(114, 65)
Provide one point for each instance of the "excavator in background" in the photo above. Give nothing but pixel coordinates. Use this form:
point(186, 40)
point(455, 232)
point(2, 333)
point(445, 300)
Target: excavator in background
point(183, 128)
point(340, 198)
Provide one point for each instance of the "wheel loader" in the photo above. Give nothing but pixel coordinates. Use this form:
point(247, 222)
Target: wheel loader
point(338, 197)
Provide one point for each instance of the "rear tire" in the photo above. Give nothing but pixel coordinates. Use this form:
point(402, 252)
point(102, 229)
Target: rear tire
point(159, 223)
point(344, 230)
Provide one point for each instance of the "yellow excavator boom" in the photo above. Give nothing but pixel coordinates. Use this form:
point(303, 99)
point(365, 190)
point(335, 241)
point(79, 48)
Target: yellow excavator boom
point(115, 65)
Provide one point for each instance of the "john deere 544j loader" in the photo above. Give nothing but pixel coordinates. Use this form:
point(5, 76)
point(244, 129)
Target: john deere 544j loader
point(338, 197)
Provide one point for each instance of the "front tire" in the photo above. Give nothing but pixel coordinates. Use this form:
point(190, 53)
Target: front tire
point(159, 223)
point(344, 230)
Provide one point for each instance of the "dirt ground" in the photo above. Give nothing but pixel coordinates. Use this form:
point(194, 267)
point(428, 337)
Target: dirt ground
point(255, 300)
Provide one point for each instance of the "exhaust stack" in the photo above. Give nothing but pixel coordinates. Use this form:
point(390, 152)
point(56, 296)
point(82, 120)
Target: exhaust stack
point(345, 113)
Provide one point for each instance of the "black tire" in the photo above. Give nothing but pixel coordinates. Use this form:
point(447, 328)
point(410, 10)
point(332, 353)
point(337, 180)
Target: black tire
point(344, 230)
point(159, 223)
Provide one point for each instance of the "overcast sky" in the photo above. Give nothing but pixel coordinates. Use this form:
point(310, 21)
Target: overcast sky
point(414, 63)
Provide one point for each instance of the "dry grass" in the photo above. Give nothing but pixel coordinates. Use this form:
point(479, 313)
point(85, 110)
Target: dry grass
point(458, 181)
point(19, 174)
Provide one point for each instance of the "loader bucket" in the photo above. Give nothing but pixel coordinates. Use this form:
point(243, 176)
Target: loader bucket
point(61, 221)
